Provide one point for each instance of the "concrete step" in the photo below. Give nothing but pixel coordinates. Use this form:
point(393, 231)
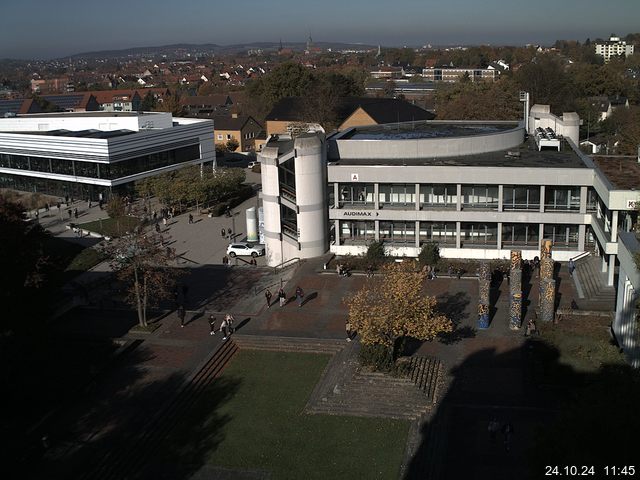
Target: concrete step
point(294, 344)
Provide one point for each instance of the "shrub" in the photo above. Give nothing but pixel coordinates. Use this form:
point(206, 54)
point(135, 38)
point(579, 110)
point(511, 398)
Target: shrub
point(375, 252)
point(115, 208)
point(429, 254)
point(378, 357)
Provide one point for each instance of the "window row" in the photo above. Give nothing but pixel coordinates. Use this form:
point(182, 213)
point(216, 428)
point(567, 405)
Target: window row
point(109, 171)
point(471, 234)
point(446, 196)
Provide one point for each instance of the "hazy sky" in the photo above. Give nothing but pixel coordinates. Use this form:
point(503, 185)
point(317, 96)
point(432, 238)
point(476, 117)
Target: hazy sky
point(54, 28)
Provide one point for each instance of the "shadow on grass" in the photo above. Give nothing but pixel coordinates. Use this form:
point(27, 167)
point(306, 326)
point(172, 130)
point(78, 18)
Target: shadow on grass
point(559, 416)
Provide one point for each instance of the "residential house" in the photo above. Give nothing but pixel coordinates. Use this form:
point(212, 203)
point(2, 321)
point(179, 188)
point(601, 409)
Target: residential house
point(118, 100)
point(614, 47)
point(206, 106)
point(242, 128)
point(350, 112)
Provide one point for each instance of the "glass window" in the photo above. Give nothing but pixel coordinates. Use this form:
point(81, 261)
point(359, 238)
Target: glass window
point(62, 167)
point(397, 195)
point(40, 164)
point(480, 196)
point(356, 232)
point(472, 234)
point(86, 169)
point(398, 232)
point(562, 236)
point(592, 200)
point(562, 198)
point(524, 234)
point(289, 221)
point(443, 233)
point(331, 195)
point(520, 197)
point(360, 194)
point(438, 196)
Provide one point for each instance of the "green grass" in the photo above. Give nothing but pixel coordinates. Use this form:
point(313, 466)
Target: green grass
point(111, 227)
point(85, 260)
point(253, 420)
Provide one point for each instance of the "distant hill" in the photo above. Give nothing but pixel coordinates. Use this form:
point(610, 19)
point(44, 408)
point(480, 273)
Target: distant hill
point(214, 48)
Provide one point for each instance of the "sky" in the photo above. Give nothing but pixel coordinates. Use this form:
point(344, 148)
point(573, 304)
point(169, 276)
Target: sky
point(55, 28)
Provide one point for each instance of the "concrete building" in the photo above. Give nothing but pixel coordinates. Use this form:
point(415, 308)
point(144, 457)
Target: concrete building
point(614, 47)
point(625, 325)
point(453, 74)
point(479, 189)
point(93, 154)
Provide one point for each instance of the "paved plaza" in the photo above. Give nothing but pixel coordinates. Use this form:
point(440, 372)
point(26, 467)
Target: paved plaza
point(484, 376)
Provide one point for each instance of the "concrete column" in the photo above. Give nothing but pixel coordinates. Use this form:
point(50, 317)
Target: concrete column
point(376, 200)
point(459, 201)
point(582, 237)
point(458, 228)
point(336, 195)
point(541, 202)
point(337, 231)
point(377, 227)
point(417, 243)
point(499, 230)
point(612, 270)
point(583, 199)
point(604, 262)
point(500, 197)
point(417, 196)
point(614, 226)
point(540, 236)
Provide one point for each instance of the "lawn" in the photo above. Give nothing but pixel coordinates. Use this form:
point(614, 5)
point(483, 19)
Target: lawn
point(261, 426)
point(111, 227)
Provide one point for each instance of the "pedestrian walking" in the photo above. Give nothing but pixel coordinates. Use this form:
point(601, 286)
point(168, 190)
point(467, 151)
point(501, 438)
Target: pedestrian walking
point(282, 297)
point(493, 428)
point(75, 213)
point(88, 203)
point(224, 328)
point(348, 329)
point(507, 431)
point(224, 233)
point(572, 266)
point(190, 218)
point(531, 328)
point(225, 260)
point(181, 315)
point(229, 232)
point(268, 295)
point(46, 207)
point(212, 324)
point(253, 262)
point(230, 321)
point(70, 213)
point(299, 295)
point(370, 271)
point(164, 221)
point(100, 204)
point(154, 215)
point(157, 228)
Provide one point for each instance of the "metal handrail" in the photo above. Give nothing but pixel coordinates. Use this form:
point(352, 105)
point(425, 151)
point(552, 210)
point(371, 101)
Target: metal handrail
point(284, 264)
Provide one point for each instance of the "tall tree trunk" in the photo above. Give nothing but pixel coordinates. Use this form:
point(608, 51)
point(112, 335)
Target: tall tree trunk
point(145, 298)
point(136, 284)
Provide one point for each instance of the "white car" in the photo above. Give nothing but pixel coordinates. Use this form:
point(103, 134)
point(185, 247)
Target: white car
point(245, 249)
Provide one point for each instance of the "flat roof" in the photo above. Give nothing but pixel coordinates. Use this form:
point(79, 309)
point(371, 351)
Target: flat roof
point(526, 155)
point(426, 129)
point(622, 172)
point(79, 133)
point(87, 114)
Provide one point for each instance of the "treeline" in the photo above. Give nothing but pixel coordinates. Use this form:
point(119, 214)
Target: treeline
point(193, 186)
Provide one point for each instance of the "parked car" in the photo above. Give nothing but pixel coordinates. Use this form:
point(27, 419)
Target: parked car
point(245, 249)
point(252, 164)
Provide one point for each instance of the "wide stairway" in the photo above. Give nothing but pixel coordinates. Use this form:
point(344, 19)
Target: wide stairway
point(597, 295)
point(128, 458)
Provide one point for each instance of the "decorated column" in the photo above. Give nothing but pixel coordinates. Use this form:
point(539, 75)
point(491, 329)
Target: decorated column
point(515, 290)
point(484, 280)
point(547, 283)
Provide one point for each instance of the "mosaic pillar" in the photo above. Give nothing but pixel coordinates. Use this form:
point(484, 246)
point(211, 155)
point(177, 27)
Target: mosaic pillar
point(484, 279)
point(546, 269)
point(516, 259)
point(515, 311)
point(547, 300)
point(545, 250)
point(515, 300)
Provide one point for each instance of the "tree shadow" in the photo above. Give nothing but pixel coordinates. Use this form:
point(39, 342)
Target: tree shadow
point(558, 416)
point(455, 307)
point(130, 420)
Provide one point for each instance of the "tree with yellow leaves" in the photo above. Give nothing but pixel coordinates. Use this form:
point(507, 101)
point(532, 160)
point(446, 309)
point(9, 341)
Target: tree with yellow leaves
point(392, 306)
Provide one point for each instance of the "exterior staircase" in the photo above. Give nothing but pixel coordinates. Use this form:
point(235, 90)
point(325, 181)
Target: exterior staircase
point(288, 344)
point(132, 454)
point(597, 295)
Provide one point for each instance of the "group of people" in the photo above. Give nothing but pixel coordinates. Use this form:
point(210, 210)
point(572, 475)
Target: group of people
point(342, 269)
point(226, 233)
point(282, 296)
point(226, 327)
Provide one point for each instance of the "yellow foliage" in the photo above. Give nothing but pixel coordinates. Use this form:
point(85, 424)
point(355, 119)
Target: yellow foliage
point(392, 305)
